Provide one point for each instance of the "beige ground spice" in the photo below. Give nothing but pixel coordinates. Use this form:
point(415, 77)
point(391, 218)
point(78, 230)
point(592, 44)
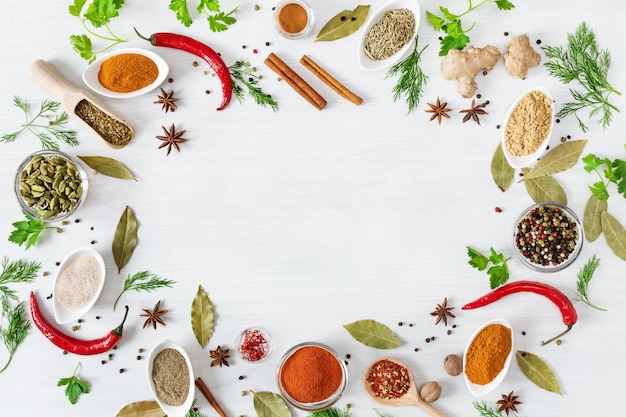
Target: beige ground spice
point(529, 124)
point(171, 377)
point(78, 282)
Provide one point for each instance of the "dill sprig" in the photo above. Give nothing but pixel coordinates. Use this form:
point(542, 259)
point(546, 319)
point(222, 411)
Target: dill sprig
point(143, 281)
point(15, 332)
point(381, 414)
point(242, 72)
point(15, 272)
point(412, 78)
point(584, 277)
point(486, 411)
point(584, 62)
point(193, 412)
point(46, 125)
point(332, 412)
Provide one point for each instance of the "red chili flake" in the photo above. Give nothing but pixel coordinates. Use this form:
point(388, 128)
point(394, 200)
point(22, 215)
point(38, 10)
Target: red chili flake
point(388, 379)
point(497, 209)
point(253, 346)
point(256, 51)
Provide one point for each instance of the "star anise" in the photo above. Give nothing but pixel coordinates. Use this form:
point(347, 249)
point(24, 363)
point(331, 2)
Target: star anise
point(474, 111)
point(154, 316)
point(171, 139)
point(219, 356)
point(167, 100)
point(439, 110)
point(508, 403)
point(442, 311)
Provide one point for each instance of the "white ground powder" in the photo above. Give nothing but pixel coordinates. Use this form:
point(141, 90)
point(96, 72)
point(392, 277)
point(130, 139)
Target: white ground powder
point(78, 282)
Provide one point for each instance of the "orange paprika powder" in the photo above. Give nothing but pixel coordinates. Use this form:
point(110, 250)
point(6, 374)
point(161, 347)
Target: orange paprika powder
point(125, 73)
point(487, 354)
point(311, 374)
point(293, 18)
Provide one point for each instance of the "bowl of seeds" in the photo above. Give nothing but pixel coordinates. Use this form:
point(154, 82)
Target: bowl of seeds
point(548, 237)
point(50, 185)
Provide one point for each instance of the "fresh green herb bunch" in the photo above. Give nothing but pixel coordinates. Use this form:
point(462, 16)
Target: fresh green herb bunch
point(15, 272)
point(143, 281)
point(450, 23)
point(332, 412)
point(584, 62)
point(98, 13)
point(242, 72)
point(582, 284)
point(218, 20)
point(28, 231)
point(498, 272)
point(612, 172)
point(74, 386)
point(15, 332)
point(411, 79)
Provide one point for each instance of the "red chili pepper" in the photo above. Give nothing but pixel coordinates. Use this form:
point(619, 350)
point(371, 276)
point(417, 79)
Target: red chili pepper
point(557, 297)
point(68, 343)
point(185, 43)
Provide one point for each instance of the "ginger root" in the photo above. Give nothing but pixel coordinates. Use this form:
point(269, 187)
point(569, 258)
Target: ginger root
point(520, 56)
point(464, 65)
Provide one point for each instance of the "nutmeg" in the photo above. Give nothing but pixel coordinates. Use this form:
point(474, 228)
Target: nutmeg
point(453, 364)
point(430, 391)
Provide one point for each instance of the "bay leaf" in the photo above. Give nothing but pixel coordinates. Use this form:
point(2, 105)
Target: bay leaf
point(269, 404)
point(544, 188)
point(343, 24)
point(125, 238)
point(501, 171)
point(558, 159)
point(592, 220)
point(202, 317)
point(108, 166)
point(141, 409)
point(537, 371)
point(614, 234)
point(373, 334)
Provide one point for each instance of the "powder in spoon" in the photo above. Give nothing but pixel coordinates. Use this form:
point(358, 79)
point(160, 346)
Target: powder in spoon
point(171, 377)
point(78, 282)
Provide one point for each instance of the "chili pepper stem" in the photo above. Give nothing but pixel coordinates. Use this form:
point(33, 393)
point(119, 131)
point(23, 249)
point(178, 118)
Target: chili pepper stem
point(569, 327)
point(118, 330)
point(141, 36)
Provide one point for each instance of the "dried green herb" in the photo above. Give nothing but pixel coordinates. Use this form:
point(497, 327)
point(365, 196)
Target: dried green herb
point(558, 159)
point(537, 371)
point(108, 166)
point(202, 317)
point(592, 221)
point(268, 404)
point(343, 24)
point(614, 234)
point(582, 283)
point(544, 188)
point(501, 171)
point(124, 239)
point(373, 334)
point(141, 409)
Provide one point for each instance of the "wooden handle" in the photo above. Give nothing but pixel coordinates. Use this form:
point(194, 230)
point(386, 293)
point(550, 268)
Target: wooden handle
point(429, 409)
point(42, 73)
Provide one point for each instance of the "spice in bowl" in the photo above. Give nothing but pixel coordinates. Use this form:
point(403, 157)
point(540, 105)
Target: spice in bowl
point(390, 34)
point(253, 344)
point(293, 19)
point(171, 377)
point(311, 376)
point(548, 237)
point(125, 73)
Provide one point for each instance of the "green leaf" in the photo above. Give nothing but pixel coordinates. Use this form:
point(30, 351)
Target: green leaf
point(27, 231)
point(504, 5)
point(108, 166)
point(373, 334)
point(477, 259)
point(143, 281)
point(592, 220)
point(125, 238)
point(614, 234)
point(558, 159)
point(179, 7)
point(75, 386)
point(619, 168)
point(435, 20)
point(498, 275)
point(141, 409)
point(219, 22)
point(77, 7)
point(268, 404)
point(544, 188)
point(343, 24)
point(202, 317)
point(82, 45)
point(537, 371)
point(210, 5)
point(446, 13)
point(501, 171)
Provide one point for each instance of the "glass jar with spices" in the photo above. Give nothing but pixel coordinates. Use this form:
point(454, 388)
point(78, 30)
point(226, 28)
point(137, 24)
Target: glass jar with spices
point(293, 19)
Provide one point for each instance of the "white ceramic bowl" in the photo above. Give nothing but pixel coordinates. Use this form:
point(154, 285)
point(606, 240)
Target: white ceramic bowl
point(90, 75)
point(478, 390)
point(368, 64)
point(518, 162)
point(65, 315)
point(170, 410)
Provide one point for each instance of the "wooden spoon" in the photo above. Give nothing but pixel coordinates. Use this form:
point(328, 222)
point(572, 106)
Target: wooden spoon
point(412, 397)
point(69, 95)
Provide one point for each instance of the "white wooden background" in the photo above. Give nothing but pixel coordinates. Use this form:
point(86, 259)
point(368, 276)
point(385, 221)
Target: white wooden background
point(302, 221)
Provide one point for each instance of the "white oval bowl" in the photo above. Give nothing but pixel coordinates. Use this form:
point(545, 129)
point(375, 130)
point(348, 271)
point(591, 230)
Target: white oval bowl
point(171, 410)
point(65, 315)
point(368, 64)
point(479, 390)
point(518, 162)
point(90, 75)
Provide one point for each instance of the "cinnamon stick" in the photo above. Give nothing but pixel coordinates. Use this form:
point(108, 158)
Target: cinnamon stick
point(295, 81)
point(330, 81)
point(207, 394)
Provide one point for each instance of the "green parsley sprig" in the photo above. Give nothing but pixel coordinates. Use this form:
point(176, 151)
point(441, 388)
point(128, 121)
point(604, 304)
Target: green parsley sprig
point(498, 272)
point(609, 172)
point(412, 79)
point(98, 14)
point(582, 284)
point(584, 62)
point(16, 330)
point(143, 281)
point(450, 23)
point(243, 73)
point(75, 386)
point(218, 20)
point(28, 231)
point(46, 125)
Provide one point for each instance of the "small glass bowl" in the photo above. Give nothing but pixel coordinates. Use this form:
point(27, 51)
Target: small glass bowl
point(256, 339)
point(307, 28)
point(43, 211)
point(319, 405)
point(537, 234)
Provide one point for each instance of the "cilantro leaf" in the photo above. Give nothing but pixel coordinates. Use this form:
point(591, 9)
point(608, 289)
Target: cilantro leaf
point(613, 172)
point(498, 271)
point(498, 275)
point(75, 386)
point(77, 7)
point(435, 20)
point(211, 5)
point(504, 4)
point(27, 231)
point(619, 167)
point(477, 259)
point(220, 21)
point(182, 13)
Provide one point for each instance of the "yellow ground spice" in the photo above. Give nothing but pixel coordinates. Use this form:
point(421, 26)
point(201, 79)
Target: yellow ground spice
point(487, 354)
point(529, 124)
point(125, 73)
